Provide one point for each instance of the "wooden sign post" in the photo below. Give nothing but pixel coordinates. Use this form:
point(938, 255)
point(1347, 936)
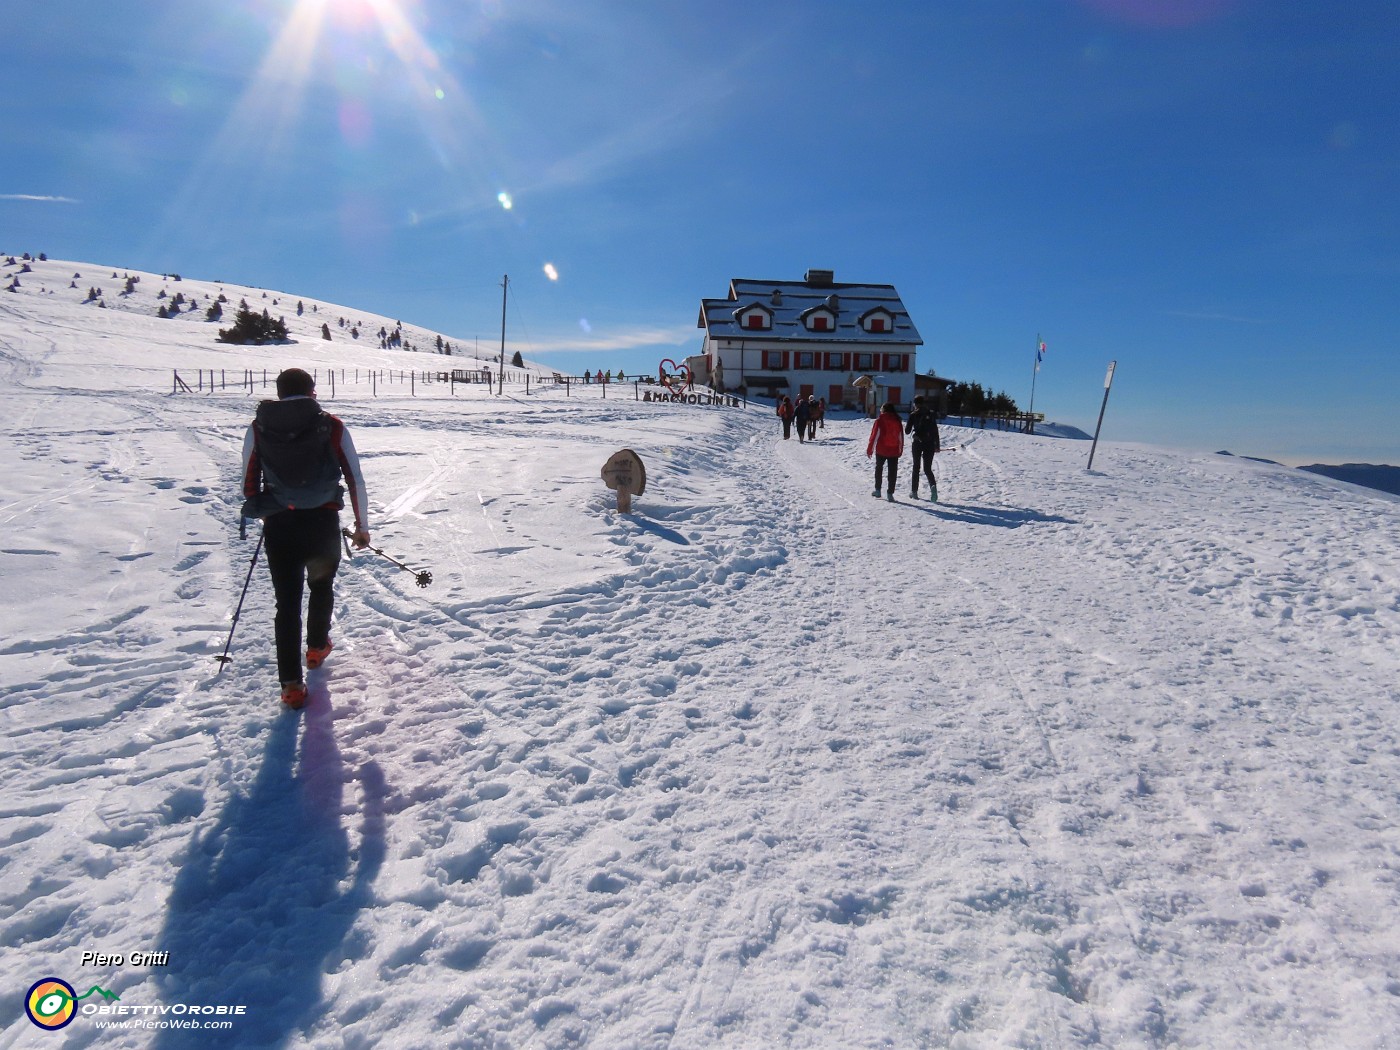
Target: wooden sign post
point(625, 474)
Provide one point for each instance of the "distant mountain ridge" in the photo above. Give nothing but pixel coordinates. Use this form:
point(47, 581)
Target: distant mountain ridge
point(1379, 476)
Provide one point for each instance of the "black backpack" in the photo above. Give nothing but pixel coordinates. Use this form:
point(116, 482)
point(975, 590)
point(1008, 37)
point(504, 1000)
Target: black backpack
point(299, 467)
point(923, 424)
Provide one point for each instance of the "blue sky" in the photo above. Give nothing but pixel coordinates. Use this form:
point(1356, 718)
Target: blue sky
point(1207, 191)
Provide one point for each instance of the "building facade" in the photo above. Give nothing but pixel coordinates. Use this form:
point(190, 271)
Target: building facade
point(809, 337)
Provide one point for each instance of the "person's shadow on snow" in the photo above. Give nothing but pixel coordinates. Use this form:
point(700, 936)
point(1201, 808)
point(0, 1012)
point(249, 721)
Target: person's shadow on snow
point(1001, 517)
point(258, 910)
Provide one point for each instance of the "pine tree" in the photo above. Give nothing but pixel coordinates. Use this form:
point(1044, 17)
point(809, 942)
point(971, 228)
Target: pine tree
point(249, 327)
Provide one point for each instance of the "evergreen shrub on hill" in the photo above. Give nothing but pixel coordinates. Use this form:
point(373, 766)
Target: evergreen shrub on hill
point(249, 327)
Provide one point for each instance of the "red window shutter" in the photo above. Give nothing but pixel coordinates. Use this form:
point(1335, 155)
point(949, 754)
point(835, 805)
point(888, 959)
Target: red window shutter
point(819, 323)
point(877, 324)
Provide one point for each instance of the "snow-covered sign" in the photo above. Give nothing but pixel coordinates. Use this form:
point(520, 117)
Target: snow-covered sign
point(626, 475)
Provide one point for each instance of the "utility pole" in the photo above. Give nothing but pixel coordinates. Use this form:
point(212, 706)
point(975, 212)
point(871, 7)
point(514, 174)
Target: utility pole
point(501, 386)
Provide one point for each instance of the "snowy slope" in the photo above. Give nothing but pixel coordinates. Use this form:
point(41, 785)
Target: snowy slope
point(1068, 759)
point(1380, 476)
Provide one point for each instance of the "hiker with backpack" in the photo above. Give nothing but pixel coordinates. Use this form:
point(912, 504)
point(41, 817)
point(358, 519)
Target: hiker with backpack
point(295, 456)
point(785, 413)
point(923, 425)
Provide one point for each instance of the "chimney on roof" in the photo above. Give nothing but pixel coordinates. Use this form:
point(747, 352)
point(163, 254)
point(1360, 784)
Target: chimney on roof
point(777, 298)
point(820, 278)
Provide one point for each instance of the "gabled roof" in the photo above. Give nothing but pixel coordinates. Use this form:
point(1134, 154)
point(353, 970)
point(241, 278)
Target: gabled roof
point(796, 299)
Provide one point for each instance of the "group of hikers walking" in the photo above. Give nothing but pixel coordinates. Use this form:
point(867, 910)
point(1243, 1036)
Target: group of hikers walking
point(886, 444)
point(808, 414)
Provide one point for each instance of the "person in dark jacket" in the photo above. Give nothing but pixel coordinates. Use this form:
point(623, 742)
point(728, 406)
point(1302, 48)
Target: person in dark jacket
point(886, 444)
point(923, 425)
point(294, 457)
point(802, 416)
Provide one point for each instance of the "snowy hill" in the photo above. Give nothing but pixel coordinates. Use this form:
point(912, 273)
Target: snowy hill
point(1066, 759)
point(1379, 476)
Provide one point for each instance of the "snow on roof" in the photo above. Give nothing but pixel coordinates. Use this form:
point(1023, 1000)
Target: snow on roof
point(849, 302)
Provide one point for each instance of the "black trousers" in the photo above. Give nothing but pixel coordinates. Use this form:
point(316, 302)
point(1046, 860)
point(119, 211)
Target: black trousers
point(923, 458)
point(880, 462)
point(303, 547)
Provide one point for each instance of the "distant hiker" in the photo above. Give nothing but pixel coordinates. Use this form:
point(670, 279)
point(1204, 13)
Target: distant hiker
point(785, 413)
point(818, 417)
point(802, 416)
point(886, 445)
point(923, 424)
point(294, 458)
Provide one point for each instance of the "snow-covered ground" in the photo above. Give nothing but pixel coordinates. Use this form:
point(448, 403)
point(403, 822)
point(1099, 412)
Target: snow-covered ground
point(1068, 759)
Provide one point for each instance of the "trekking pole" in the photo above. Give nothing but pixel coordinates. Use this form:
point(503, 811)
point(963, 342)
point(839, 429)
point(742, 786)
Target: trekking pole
point(225, 658)
point(421, 578)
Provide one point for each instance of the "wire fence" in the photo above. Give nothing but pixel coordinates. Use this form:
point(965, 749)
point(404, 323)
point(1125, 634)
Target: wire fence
point(330, 382)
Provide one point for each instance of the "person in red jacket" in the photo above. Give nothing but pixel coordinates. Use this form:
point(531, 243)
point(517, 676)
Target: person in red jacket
point(786, 412)
point(886, 445)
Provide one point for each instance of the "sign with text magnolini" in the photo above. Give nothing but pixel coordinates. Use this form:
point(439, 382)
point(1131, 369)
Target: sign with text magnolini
point(713, 400)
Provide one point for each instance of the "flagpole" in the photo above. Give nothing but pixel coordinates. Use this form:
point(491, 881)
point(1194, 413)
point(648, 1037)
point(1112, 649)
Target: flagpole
point(1035, 371)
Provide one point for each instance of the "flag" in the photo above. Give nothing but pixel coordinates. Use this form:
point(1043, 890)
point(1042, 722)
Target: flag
point(1039, 354)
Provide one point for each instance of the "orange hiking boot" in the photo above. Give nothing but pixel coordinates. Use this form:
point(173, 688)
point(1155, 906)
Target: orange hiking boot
point(317, 656)
point(294, 695)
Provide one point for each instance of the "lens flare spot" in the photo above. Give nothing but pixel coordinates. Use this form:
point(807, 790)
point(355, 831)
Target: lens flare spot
point(440, 94)
point(505, 200)
point(583, 323)
point(551, 272)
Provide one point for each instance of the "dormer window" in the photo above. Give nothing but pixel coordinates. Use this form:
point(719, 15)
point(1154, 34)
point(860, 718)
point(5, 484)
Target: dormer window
point(819, 319)
point(755, 317)
point(877, 321)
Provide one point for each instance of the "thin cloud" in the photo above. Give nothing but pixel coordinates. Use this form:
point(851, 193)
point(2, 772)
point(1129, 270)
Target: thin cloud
point(630, 339)
point(36, 197)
